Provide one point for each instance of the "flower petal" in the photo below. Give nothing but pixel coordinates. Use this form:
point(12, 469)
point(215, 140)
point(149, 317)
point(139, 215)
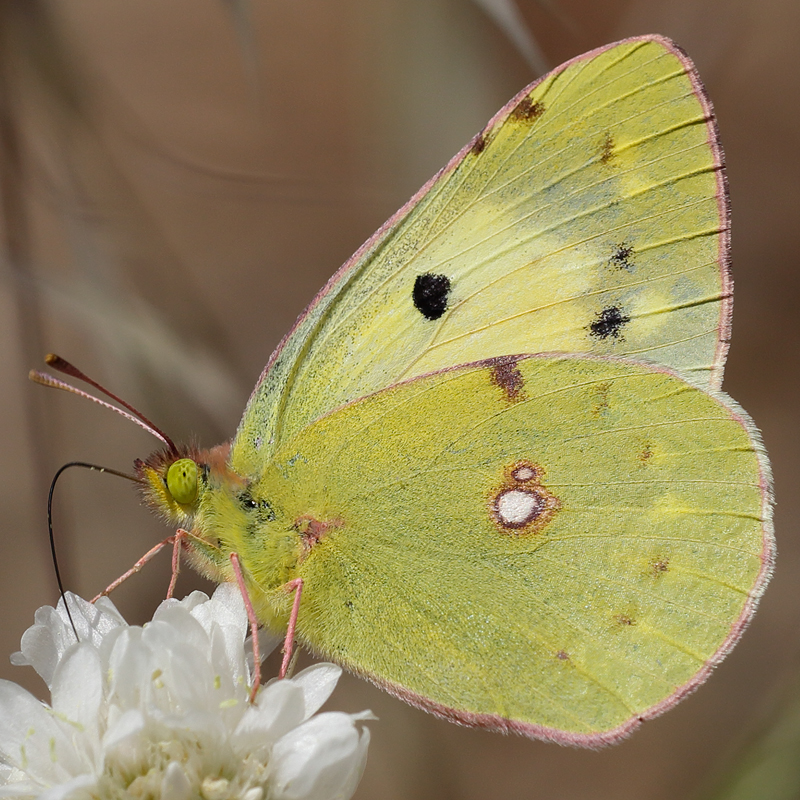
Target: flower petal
point(33, 740)
point(279, 707)
point(45, 642)
point(225, 607)
point(77, 695)
point(163, 711)
point(350, 783)
point(93, 621)
point(317, 682)
point(178, 648)
point(320, 760)
point(175, 785)
point(188, 603)
point(130, 669)
point(267, 642)
point(66, 789)
point(176, 621)
point(125, 727)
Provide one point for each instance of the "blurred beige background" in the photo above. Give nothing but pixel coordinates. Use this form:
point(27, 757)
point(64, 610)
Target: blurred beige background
point(178, 179)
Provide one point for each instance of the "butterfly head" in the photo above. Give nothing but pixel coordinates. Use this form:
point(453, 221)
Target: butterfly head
point(175, 481)
point(225, 513)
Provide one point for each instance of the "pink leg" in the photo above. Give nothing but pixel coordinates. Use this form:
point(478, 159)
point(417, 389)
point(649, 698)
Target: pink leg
point(180, 535)
point(136, 567)
point(288, 643)
point(251, 616)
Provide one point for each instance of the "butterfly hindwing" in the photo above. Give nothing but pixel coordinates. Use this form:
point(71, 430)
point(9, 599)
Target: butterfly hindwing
point(558, 545)
point(589, 216)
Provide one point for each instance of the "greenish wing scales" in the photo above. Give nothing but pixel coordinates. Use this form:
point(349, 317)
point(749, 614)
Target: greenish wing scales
point(589, 216)
point(557, 545)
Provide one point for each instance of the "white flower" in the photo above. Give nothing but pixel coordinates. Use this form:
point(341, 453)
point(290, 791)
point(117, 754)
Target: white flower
point(163, 712)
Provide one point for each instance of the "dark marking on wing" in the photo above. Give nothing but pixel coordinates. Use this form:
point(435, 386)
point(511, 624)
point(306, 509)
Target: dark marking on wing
point(312, 530)
point(609, 323)
point(506, 376)
point(607, 149)
point(263, 511)
point(521, 505)
point(659, 567)
point(479, 144)
point(430, 294)
point(527, 111)
point(601, 403)
point(621, 258)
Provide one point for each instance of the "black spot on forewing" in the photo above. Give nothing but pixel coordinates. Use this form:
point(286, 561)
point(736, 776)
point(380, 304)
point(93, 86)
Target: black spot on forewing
point(527, 111)
point(507, 377)
point(609, 323)
point(622, 257)
point(430, 295)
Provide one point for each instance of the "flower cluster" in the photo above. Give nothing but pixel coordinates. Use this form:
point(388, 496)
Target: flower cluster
point(162, 712)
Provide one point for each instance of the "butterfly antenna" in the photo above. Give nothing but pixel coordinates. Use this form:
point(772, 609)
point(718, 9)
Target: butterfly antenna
point(62, 365)
point(97, 468)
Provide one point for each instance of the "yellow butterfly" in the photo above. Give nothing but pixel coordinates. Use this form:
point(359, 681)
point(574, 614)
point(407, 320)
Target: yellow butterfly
point(490, 468)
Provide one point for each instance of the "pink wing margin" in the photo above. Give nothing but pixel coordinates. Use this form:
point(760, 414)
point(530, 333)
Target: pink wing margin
point(723, 204)
point(723, 256)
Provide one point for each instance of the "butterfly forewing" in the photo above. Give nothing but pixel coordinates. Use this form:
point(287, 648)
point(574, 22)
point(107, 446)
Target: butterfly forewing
point(589, 216)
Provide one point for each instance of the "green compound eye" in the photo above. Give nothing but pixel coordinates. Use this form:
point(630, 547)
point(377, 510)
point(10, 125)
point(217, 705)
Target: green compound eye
point(182, 481)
